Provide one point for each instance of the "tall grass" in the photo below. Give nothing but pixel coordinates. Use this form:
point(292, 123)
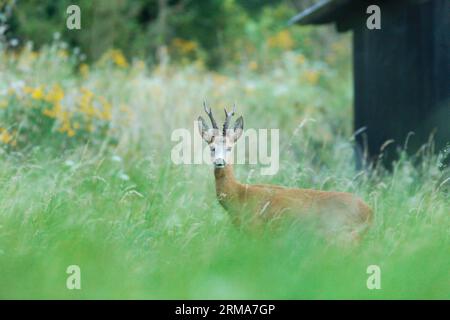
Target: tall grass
point(141, 227)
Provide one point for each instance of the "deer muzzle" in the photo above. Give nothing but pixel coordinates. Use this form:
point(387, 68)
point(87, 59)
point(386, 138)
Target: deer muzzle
point(219, 163)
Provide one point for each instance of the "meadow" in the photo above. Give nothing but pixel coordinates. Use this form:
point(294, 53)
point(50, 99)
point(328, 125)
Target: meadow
point(86, 179)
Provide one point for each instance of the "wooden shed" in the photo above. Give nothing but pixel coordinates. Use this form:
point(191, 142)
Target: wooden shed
point(401, 71)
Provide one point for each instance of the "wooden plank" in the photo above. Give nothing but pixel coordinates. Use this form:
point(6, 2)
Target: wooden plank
point(401, 78)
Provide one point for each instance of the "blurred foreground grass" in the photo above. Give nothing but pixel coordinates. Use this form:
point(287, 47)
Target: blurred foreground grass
point(105, 196)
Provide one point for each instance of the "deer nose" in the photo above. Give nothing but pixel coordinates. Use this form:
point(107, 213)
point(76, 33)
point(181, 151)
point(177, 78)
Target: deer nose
point(219, 163)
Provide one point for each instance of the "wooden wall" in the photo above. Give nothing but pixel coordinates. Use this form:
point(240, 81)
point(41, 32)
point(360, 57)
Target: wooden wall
point(402, 77)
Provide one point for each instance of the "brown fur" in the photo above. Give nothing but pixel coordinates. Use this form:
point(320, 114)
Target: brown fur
point(336, 212)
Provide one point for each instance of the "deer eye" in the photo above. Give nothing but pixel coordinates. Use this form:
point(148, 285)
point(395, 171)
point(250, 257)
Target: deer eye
point(213, 148)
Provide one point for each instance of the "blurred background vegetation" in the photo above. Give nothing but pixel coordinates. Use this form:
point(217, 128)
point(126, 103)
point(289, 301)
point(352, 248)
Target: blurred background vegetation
point(54, 87)
point(214, 32)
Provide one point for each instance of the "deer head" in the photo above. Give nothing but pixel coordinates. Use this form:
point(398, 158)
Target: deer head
point(220, 142)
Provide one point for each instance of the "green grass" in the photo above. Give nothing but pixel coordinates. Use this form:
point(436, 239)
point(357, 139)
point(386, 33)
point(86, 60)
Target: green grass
point(141, 227)
point(162, 234)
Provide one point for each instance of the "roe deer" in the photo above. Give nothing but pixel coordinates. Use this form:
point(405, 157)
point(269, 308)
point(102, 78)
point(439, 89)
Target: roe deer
point(337, 213)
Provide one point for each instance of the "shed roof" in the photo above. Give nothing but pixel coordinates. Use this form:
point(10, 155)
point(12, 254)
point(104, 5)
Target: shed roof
point(324, 11)
point(340, 11)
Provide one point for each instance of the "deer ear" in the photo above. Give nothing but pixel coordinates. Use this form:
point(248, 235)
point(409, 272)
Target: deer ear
point(204, 130)
point(238, 128)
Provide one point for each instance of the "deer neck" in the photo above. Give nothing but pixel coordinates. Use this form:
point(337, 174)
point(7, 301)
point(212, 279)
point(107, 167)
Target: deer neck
point(227, 187)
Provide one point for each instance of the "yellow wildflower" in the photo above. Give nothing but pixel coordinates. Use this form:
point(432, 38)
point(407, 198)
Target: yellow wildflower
point(219, 79)
point(300, 59)
point(253, 65)
point(84, 69)
point(91, 128)
point(85, 102)
point(55, 112)
point(118, 58)
point(28, 89)
point(106, 112)
point(184, 46)
point(55, 95)
point(312, 76)
point(63, 54)
point(5, 136)
point(37, 93)
point(139, 65)
point(282, 39)
point(124, 108)
point(65, 125)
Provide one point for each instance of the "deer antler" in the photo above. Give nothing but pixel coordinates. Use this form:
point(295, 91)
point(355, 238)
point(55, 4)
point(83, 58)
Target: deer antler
point(228, 116)
point(209, 113)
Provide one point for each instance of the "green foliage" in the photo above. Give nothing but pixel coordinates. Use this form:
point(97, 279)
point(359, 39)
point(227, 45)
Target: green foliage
point(105, 24)
point(215, 32)
point(53, 109)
